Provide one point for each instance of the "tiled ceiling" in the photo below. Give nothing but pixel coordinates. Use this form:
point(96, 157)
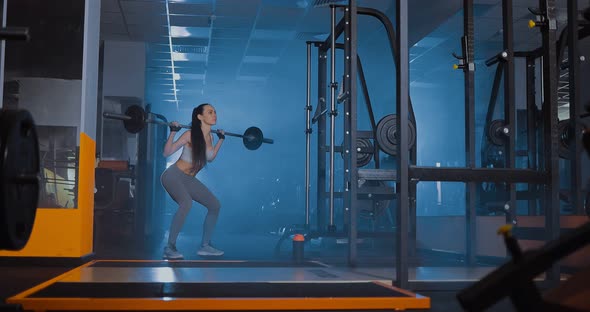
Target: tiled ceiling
point(217, 44)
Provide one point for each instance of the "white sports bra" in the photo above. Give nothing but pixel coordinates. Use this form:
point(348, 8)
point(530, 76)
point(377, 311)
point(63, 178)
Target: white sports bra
point(187, 154)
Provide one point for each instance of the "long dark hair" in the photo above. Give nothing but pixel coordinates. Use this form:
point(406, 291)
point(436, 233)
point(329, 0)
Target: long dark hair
point(198, 139)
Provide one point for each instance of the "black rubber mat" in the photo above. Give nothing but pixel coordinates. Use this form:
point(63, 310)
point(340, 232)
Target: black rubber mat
point(215, 290)
point(201, 264)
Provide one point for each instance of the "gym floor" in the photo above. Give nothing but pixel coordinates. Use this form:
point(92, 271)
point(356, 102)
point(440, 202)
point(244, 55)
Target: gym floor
point(18, 276)
point(16, 279)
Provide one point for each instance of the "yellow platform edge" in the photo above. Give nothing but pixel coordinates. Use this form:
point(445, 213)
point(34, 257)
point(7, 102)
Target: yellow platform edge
point(413, 301)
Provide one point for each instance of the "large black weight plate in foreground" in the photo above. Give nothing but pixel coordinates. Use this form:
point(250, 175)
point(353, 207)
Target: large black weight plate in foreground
point(387, 134)
point(252, 138)
point(137, 121)
point(19, 182)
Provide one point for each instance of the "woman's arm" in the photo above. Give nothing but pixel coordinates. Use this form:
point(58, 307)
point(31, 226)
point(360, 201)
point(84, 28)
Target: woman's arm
point(218, 144)
point(171, 147)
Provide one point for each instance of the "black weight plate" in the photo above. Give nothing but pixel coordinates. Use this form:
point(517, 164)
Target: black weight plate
point(364, 152)
point(19, 174)
point(387, 134)
point(252, 138)
point(494, 134)
point(137, 121)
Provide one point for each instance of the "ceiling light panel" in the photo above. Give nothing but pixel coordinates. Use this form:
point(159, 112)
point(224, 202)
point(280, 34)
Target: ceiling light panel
point(189, 32)
point(189, 76)
point(190, 49)
point(159, 70)
point(193, 57)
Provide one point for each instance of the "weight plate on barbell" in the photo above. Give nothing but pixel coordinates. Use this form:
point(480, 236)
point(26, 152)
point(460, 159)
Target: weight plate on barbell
point(252, 138)
point(494, 132)
point(137, 121)
point(364, 152)
point(387, 134)
point(19, 174)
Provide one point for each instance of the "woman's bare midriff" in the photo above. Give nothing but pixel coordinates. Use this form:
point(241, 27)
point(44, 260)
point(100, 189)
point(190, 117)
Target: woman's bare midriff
point(186, 167)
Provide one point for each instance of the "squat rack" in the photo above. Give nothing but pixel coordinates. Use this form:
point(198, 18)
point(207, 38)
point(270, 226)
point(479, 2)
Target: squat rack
point(406, 173)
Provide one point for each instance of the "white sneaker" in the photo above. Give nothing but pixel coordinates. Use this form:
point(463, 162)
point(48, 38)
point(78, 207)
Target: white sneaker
point(209, 251)
point(171, 253)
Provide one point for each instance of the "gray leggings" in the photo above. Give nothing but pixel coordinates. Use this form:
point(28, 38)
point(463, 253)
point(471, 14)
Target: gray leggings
point(184, 188)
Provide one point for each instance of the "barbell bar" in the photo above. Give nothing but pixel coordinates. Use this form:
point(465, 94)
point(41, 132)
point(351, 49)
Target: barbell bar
point(135, 119)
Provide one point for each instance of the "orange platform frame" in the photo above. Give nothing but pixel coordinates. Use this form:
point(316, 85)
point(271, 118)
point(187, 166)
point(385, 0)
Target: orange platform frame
point(262, 303)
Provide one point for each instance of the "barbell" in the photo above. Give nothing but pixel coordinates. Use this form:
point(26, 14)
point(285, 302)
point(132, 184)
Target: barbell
point(135, 119)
